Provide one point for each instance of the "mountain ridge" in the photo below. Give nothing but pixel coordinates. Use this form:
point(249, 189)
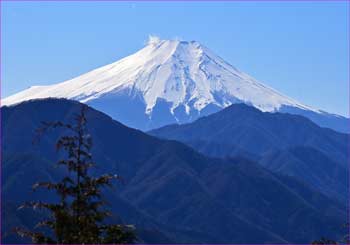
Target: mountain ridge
point(282, 142)
point(169, 81)
point(168, 186)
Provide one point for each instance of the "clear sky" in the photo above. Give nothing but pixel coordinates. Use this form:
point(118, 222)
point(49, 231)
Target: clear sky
point(298, 48)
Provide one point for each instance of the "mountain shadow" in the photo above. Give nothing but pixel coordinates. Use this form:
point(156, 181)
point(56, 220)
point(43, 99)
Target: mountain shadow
point(171, 193)
point(284, 143)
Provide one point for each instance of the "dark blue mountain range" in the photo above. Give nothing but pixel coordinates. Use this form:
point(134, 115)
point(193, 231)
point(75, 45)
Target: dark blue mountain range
point(284, 143)
point(171, 193)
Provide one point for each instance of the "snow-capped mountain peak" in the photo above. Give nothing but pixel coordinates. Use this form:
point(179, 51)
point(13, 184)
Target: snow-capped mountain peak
point(179, 72)
point(166, 81)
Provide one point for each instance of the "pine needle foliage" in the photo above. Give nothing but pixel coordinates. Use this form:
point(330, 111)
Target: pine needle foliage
point(78, 217)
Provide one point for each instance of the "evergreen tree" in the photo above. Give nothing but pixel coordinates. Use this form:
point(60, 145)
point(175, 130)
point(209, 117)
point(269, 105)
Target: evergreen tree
point(78, 216)
point(324, 241)
point(344, 240)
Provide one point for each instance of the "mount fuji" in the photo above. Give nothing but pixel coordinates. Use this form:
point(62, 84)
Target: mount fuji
point(172, 81)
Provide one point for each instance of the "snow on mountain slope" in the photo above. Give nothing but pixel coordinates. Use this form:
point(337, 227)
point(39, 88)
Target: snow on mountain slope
point(167, 81)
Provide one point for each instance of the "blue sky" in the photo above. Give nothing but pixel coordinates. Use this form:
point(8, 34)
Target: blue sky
point(298, 48)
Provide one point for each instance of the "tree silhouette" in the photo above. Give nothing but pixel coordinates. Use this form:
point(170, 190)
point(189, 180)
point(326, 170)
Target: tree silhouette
point(344, 240)
point(324, 241)
point(77, 218)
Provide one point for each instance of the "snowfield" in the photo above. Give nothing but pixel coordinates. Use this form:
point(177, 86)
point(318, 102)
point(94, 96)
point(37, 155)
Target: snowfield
point(184, 77)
